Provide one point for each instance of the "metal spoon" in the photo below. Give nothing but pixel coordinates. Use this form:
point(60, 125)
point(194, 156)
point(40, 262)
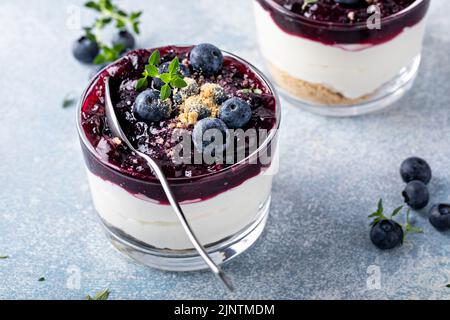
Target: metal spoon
point(117, 131)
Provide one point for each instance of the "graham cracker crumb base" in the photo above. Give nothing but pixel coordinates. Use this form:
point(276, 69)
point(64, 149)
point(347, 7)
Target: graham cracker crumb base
point(316, 93)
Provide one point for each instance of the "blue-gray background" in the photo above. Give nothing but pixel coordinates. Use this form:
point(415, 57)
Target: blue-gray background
point(333, 171)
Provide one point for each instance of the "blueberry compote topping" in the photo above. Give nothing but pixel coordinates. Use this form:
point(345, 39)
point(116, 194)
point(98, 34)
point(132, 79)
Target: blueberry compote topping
point(340, 11)
point(155, 138)
point(344, 21)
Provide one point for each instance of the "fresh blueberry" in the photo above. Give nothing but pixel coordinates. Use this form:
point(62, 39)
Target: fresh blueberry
point(440, 216)
point(125, 38)
point(386, 234)
point(190, 90)
point(207, 59)
point(148, 107)
point(85, 50)
point(416, 194)
point(415, 169)
point(164, 68)
point(204, 126)
point(235, 113)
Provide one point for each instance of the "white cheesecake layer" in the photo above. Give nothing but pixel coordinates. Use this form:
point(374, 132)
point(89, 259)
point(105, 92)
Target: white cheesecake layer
point(352, 70)
point(157, 225)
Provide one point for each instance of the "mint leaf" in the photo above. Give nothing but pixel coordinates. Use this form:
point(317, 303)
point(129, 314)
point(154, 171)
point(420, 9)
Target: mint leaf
point(152, 71)
point(142, 83)
point(396, 211)
point(4, 257)
point(154, 58)
point(165, 93)
point(41, 279)
point(101, 295)
point(178, 82)
point(174, 66)
point(165, 77)
point(448, 286)
point(92, 5)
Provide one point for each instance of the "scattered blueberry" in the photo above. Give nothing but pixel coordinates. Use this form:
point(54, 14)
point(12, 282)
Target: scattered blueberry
point(386, 234)
point(415, 169)
point(148, 107)
point(440, 216)
point(207, 59)
point(85, 50)
point(235, 112)
point(210, 124)
point(163, 68)
point(125, 38)
point(416, 194)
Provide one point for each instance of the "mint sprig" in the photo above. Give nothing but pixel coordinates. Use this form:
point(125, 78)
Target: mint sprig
point(101, 295)
point(378, 216)
point(108, 13)
point(172, 78)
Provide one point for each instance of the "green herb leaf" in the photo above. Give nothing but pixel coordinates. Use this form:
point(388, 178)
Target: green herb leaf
point(102, 295)
point(448, 286)
point(396, 211)
point(41, 279)
point(165, 77)
point(174, 66)
point(92, 5)
point(69, 100)
point(151, 70)
point(142, 84)
point(165, 93)
point(154, 58)
point(4, 257)
point(178, 82)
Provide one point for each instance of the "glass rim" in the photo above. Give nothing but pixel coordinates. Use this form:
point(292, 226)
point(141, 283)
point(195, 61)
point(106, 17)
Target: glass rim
point(272, 133)
point(339, 25)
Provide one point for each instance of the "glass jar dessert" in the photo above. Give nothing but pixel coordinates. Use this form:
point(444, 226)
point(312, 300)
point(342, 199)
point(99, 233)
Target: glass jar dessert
point(226, 201)
point(341, 58)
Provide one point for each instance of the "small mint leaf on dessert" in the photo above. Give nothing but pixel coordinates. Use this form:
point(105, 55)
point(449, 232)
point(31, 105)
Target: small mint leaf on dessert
point(154, 58)
point(142, 84)
point(151, 70)
point(178, 82)
point(101, 295)
point(174, 66)
point(166, 91)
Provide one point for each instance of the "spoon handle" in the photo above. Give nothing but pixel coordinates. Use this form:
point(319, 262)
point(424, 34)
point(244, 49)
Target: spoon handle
point(185, 223)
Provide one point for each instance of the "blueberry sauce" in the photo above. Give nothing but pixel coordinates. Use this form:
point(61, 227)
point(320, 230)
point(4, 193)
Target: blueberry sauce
point(191, 182)
point(330, 22)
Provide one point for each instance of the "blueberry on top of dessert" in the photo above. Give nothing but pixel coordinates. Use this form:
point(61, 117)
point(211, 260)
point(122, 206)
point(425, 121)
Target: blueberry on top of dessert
point(156, 92)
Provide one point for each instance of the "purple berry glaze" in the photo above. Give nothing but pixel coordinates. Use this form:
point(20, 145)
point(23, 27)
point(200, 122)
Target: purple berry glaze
point(191, 182)
point(329, 22)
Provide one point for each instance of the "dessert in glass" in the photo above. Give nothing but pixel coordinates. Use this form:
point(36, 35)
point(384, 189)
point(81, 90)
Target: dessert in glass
point(226, 202)
point(341, 58)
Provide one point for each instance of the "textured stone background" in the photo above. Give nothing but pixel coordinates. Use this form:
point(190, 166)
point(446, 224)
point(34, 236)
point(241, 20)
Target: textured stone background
point(316, 245)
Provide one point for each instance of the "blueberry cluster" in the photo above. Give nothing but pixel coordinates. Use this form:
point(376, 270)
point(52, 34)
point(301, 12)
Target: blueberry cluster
point(232, 112)
point(386, 233)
